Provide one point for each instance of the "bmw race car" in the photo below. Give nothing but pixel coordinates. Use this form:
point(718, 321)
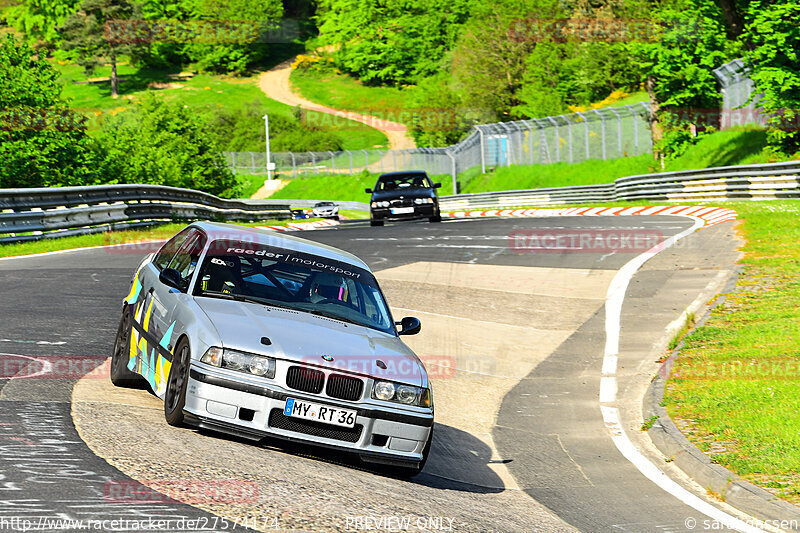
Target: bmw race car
point(325, 210)
point(262, 334)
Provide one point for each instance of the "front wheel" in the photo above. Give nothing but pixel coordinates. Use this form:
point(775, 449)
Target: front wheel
point(120, 375)
point(175, 397)
point(436, 218)
point(376, 222)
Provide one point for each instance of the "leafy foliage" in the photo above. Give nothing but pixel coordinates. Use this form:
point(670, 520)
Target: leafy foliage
point(775, 61)
point(38, 147)
point(241, 129)
point(163, 144)
point(391, 42)
point(39, 19)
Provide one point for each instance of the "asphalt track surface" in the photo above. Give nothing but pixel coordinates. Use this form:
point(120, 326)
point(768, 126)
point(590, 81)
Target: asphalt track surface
point(553, 466)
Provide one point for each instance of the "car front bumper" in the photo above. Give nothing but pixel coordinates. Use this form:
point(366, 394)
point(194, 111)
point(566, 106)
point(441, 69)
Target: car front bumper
point(420, 211)
point(239, 406)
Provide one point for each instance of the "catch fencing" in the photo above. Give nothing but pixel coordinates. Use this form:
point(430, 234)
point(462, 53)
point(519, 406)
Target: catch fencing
point(38, 213)
point(738, 108)
point(605, 133)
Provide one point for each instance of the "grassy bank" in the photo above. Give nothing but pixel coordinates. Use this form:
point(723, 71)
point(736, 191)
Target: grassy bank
point(736, 384)
point(340, 91)
point(732, 147)
point(202, 92)
point(102, 239)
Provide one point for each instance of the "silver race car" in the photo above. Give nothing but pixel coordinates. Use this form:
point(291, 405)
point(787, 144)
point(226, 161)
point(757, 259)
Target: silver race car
point(325, 210)
point(261, 334)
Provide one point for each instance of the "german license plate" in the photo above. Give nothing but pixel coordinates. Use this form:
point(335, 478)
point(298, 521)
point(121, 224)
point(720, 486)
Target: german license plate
point(402, 210)
point(319, 413)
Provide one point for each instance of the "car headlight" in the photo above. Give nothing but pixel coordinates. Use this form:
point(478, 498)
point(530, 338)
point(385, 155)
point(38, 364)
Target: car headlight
point(383, 204)
point(257, 365)
point(420, 201)
point(405, 394)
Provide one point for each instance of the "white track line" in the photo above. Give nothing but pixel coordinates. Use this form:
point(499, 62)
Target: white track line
point(608, 389)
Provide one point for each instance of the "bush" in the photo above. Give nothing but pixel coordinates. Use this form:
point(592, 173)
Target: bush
point(241, 129)
point(42, 142)
point(163, 144)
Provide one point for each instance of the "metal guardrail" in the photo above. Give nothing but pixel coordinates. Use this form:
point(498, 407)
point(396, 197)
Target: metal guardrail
point(743, 182)
point(37, 213)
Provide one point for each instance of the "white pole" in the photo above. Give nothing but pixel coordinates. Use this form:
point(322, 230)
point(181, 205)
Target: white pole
point(266, 128)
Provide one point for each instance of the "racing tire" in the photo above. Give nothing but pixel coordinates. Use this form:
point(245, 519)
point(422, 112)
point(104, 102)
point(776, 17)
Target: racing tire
point(175, 396)
point(436, 218)
point(120, 375)
point(376, 222)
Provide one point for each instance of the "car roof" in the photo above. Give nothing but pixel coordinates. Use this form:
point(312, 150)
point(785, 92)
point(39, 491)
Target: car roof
point(392, 175)
point(218, 230)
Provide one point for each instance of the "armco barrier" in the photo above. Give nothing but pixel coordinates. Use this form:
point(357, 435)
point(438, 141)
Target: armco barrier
point(32, 214)
point(743, 182)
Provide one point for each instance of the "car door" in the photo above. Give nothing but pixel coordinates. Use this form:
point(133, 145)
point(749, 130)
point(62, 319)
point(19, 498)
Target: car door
point(165, 298)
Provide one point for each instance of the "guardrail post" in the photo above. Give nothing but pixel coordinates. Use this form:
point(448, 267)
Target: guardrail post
point(366, 159)
point(294, 165)
point(252, 162)
point(351, 161)
point(333, 163)
point(313, 162)
point(453, 171)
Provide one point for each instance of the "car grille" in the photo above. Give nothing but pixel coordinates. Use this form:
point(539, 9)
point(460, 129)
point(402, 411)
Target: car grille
point(305, 379)
point(344, 387)
point(278, 420)
point(404, 202)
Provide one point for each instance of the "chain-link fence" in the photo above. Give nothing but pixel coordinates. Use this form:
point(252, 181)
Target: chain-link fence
point(596, 134)
point(737, 87)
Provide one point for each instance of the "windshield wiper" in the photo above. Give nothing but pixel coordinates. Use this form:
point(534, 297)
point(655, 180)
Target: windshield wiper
point(248, 299)
point(317, 312)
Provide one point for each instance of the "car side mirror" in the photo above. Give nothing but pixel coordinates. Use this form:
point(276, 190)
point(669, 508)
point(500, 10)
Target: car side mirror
point(171, 278)
point(437, 185)
point(368, 191)
point(409, 326)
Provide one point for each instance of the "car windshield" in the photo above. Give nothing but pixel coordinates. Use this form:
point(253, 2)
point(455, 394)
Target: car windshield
point(280, 277)
point(404, 181)
point(324, 204)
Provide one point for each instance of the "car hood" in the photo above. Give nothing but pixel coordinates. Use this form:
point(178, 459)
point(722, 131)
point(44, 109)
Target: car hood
point(303, 337)
point(406, 193)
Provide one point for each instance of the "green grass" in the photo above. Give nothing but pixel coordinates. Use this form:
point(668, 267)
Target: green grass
point(731, 147)
point(735, 384)
point(101, 239)
point(633, 98)
point(203, 92)
point(340, 91)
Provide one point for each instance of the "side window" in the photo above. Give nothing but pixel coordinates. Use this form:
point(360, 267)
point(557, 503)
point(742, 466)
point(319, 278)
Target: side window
point(167, 252)
point(187, 257)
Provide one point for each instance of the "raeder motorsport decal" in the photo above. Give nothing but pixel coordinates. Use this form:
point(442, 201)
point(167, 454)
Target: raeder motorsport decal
point(223, 248)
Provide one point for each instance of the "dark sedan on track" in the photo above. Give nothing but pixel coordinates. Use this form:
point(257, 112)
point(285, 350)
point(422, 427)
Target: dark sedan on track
point(403, 196)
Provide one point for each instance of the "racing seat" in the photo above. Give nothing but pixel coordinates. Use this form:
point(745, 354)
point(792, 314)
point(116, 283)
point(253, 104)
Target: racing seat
point(225, 274)
point(327, 287)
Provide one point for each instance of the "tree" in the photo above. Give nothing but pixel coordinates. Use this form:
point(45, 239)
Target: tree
point(163, 143)
point(42, 143)
point(39, 19)
point(775, 63)
point(391, 43)
point(86, 33)
point(677, 66)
